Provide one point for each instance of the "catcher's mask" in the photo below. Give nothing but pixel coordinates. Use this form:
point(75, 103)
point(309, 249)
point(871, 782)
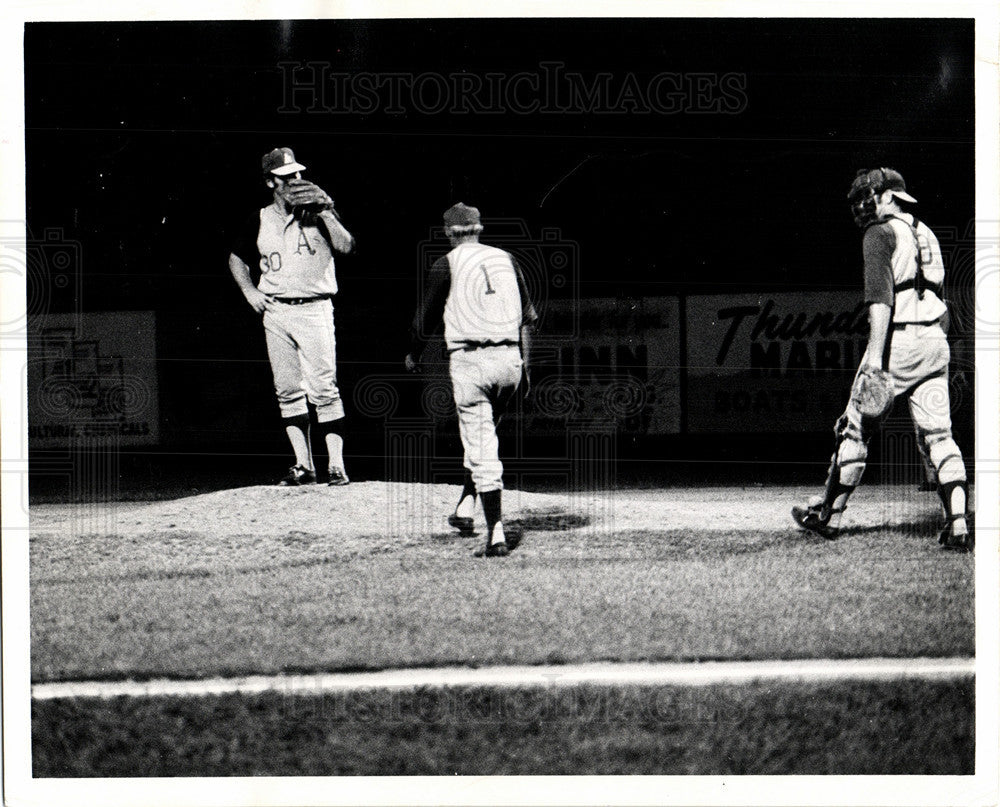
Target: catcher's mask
point(868, 185)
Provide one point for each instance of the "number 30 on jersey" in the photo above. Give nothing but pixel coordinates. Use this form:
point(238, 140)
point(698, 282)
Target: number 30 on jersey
point(270, 263)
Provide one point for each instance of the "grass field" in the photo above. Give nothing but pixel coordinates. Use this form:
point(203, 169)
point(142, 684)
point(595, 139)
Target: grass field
point(917, 728)
point(262, 580)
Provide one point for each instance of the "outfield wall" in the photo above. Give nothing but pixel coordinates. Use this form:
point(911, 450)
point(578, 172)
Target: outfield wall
point(754, 363)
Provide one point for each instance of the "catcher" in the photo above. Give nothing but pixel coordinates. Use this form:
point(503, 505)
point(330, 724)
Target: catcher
point(907, 354)
point(293, 241)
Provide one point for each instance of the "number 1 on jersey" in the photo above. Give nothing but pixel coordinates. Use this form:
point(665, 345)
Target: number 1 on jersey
point(489, 288)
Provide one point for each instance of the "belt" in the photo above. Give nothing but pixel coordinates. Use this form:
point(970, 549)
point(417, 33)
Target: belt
point(899, 326)
point(479, 345)
point(301, 300)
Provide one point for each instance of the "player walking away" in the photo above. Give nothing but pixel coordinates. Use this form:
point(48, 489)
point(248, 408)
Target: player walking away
point(904, 273)
point(480, 294)
point(293, 240)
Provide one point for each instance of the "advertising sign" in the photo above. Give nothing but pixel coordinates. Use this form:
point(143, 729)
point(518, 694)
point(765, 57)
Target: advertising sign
point(93, 375)
point(772, 363)
point(621, 369)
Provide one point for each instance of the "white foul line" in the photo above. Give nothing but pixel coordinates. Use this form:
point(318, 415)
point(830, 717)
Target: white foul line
point(609, 673)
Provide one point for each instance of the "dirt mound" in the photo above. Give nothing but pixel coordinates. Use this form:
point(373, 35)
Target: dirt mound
point(398, 508)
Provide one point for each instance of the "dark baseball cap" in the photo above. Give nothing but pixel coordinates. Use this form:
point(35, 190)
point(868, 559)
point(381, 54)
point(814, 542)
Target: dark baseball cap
point(461, 215)
point(280, 161)
point(880, 180)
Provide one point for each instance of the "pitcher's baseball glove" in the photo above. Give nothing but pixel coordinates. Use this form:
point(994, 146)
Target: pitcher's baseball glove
point(872, 392)
point(308, 200)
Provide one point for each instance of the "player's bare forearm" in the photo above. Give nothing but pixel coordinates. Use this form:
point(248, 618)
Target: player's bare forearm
point(527, 334)
point(241, 274)
point(341, 240)
point(428, 316)
point(879, 316)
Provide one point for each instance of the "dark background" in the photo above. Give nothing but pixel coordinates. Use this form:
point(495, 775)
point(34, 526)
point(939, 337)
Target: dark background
point(144, 143)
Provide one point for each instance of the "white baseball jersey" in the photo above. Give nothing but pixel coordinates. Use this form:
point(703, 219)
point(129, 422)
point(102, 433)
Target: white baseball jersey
point(295, 261)
point(296, 264)
point(484, 301)
point(480, 294)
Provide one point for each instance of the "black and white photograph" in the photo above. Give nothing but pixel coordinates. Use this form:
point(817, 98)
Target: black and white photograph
point(413, 405)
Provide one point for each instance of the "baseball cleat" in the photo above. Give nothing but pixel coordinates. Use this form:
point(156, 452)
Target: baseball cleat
point(338, 477)
point(497, 550)
point(956, 543)
point(815, 520)
point(297, 475)
point(461, 523)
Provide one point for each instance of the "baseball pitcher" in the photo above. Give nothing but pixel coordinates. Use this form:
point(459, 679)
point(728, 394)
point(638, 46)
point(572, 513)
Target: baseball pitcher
point(480, 293)
point(292, 241)
point(907, 355)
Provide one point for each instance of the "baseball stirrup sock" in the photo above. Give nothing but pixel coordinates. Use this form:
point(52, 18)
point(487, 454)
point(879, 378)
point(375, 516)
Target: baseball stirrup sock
point(333, 437)
point(839, 504)
point(335, 450)
point(299, 421)
point(297, 429)
point(491, 500)
point(467, 501)
point(954, 497)
point(331, 426)
point(835, 495)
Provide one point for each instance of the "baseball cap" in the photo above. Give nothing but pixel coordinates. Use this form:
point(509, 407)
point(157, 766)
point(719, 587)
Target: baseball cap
point(881, 180)
point(461, 215)
point(280, 161)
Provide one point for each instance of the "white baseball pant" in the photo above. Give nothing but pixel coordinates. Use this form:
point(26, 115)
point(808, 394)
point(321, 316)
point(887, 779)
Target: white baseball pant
point(303, 353)
point(483, 380)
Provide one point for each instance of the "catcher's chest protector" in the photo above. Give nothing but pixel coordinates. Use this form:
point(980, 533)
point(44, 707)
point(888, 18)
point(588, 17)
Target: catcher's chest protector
point(917, 272)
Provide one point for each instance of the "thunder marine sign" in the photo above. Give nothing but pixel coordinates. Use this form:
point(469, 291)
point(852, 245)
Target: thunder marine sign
point(771, 362)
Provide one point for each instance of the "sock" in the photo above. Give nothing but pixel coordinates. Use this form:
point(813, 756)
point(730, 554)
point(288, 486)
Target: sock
point(297, 429)
point(953, 497)
point(497, 536)
point(335, 448)
point(333, 438)
point(841, 494)
point(491, 500)
point(466, 506)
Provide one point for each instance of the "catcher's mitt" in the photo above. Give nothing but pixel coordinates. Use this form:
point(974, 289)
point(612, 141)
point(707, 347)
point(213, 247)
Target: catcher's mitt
point(872, 393)
point(308, 200)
